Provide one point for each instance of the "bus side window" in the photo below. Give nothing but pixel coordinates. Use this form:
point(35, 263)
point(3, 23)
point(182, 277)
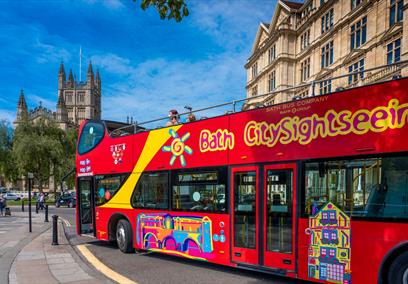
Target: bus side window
point(374, 187)
point(151, 191)
point(200, 190)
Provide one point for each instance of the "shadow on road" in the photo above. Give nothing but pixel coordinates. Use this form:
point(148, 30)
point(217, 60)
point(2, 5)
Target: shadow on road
point(257, 276)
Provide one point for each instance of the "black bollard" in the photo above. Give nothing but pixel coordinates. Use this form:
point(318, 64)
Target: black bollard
point(22, 205)
point(36, 208)
point(54, 230)
point(46, 213)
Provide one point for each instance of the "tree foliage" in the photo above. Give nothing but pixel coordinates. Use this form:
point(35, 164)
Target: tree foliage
point(44, 149)
point(68, 164)
point(170, 9)
point(8, 166)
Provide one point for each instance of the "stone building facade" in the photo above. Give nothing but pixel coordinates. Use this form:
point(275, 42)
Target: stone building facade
point(321, 39)
point(82, 99)
point(76, 101)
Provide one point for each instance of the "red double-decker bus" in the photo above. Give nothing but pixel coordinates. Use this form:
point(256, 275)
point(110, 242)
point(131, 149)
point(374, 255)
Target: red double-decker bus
point(315, 189)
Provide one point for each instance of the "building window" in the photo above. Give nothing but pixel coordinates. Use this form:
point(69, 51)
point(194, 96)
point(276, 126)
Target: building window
point(325, 87)
point(81, 113)
point(394, 51)
point(272, 81)
point(307, 11)
point(358, 33)
point(396, 11)
point(305, 39)
point(68, 98)
point(70, 116)
point(81, 97)
point(356, 67)
point(327, 55)
point(254, 70)
point(151, 191)
point(355, 3)
point(254, 91)
point(322, 2)
point(271, 54)
point(305, 70)
point(327, 21)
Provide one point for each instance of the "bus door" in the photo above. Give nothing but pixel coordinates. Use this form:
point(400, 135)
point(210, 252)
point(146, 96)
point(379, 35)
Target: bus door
point(85, 206)
point(279, 184)
point(244, 212)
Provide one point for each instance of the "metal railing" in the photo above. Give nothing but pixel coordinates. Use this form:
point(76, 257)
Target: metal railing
point(384, 73)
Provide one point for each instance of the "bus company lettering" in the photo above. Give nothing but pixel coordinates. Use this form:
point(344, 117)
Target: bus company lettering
point(220, 140)
point(304, 130)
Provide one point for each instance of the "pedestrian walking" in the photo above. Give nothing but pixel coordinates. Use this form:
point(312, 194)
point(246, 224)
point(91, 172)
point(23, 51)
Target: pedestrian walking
point(41, 200)
point(2, 204)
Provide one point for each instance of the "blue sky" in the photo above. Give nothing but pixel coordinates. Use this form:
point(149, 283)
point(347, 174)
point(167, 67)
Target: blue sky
point(147, 65)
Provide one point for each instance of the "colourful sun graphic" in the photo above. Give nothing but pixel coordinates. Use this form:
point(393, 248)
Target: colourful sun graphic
point(178, 147)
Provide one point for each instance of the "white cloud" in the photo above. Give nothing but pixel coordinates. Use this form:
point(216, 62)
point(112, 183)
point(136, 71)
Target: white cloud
point(34, 100)
point(228, 22)
point(112, 63)
point(7, 115)
point(50, 53)
point(113, 4)
point(110, 4)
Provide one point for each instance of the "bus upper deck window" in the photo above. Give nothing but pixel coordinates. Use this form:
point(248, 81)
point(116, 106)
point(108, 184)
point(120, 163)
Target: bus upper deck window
point(91, 135)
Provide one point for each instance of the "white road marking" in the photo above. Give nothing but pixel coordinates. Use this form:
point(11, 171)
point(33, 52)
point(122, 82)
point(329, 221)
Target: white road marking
point(66, 222)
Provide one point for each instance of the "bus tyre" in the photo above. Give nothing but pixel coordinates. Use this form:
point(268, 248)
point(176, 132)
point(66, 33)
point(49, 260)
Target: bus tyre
point(124, 236)
point(398, 272)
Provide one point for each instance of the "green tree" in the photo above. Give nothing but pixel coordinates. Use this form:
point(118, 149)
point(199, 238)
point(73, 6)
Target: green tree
point(69, 145)
point(39, 148)
point(170, 9)
point(8, 166)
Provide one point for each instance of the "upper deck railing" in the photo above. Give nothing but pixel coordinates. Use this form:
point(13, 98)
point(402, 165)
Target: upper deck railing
point(354, 79)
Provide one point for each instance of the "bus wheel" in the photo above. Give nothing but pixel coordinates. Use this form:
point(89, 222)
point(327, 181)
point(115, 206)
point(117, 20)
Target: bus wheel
point(124, 236)
point(398, 272)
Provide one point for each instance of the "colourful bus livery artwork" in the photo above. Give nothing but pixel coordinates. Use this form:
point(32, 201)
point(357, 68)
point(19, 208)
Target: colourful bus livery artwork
point(183, 235)
point(329, 259)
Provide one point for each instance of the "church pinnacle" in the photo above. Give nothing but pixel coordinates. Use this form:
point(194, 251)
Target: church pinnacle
point(21, 101)
point(90, 75)
point(22, 110)
point(61, 113)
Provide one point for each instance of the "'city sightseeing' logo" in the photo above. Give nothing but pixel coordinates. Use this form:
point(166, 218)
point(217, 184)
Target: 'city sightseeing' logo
point(178, 147)
point(304, 130)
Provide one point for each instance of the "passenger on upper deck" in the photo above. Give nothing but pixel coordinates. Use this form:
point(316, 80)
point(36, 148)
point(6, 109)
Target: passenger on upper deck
point(174, 118)
point(191, 117)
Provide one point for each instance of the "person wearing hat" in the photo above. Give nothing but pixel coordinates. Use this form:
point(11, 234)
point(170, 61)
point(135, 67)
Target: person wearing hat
point(174, 118)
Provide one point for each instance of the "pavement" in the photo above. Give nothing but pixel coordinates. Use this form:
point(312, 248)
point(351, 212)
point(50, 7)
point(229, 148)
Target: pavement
point(27, 258)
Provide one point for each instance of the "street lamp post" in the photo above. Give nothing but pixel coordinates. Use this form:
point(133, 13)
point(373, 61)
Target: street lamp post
point(30, 179)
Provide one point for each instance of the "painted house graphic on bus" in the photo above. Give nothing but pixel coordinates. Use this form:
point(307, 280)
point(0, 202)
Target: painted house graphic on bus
point(329, 246)
point(183, 235)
